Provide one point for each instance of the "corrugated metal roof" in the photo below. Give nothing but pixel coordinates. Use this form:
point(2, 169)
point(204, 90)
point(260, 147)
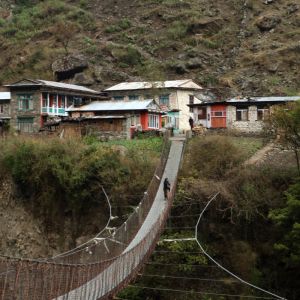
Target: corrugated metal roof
point(150, 85)
point(60, 85)
point(5, 96)
point(67, 86)
point(265, 99)
point(114, 105)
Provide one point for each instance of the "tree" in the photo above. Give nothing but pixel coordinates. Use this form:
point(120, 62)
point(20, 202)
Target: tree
point(64, 33)
point(285, 121)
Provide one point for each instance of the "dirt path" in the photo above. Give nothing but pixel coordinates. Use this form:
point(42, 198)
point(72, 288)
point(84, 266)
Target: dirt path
point(260, 154)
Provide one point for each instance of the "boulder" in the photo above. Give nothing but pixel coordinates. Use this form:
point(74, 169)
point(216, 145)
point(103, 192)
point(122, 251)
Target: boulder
point(82, 79)
point(68, 66)
point(97, 74)
point(268, 22)
point(194, 63)
point(113, 75)
point(179, 67)
point(292, 8)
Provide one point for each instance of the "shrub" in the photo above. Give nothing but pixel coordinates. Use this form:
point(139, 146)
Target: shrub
point(177, 30)
point(124, 23)
point(60, 180)
point(211, 157)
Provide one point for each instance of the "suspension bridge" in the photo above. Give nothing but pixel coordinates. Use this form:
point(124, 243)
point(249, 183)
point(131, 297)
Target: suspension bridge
point(101, 267)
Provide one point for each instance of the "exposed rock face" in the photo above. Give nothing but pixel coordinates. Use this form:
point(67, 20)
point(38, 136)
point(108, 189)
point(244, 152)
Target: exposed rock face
point(194, 63)
point(268, 22)
point(82, 79)
point(67, 67)
point(114, 75)
point(20, 233)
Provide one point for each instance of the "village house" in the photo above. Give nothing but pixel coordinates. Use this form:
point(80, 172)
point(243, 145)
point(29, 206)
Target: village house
point(119, 119)
point(243, 114)
point(36, 103)
point(4, 111)
point(172, 96)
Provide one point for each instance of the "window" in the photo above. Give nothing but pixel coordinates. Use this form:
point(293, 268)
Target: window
point(118, 98)
point(201, 113)
point(25, 124)
point(217, 114)
point(242, 114)
point(133, 97)
point(45, 99)
point(164, 100)
point(135, 120)
point(77, 101)
point(25, 102)
point(153, 121)
point(191, 101)
point(263, 114)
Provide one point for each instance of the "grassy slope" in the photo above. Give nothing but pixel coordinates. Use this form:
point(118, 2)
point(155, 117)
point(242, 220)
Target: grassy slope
point(155, 39)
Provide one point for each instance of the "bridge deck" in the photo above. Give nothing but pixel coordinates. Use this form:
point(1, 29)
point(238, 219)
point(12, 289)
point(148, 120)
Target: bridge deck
point(102, 284)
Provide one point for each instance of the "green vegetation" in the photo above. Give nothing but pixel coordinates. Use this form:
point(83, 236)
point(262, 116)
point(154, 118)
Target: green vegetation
point(123, 24)
point(287, 219)
point(61, 180)
point(285, 121)
point(30, 20)
point(236, 229)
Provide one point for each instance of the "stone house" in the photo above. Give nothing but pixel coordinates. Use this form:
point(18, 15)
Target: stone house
point(4, 110)
point(243, 114)
point(172, 96)
point(34, 103)
point(117, 118)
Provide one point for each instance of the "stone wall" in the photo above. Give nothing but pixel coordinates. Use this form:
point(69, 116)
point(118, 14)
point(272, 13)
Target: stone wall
point(252, 125)
point(35, 113)
point(6, 108)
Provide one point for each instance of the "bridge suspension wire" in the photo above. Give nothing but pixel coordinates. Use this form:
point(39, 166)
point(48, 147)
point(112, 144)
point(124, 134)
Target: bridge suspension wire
point(226, 280)
point(199, 292)
point(179, 265)
point(218, 264)
point(81, 246)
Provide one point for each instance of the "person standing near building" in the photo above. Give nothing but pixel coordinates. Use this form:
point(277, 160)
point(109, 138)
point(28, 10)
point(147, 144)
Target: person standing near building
point(191, 121)
point(167, 187)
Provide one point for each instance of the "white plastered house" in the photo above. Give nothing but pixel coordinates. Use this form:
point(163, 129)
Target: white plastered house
point(172, 96)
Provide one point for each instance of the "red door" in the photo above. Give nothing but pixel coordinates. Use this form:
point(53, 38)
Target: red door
point(218, 116)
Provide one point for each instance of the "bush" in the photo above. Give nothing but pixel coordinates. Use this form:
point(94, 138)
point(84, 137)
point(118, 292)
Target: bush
point(211, 157)
point(60, 180)
point(177, 30)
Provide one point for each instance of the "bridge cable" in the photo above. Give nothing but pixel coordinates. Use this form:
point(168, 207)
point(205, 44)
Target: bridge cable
point(198, 292)
point(218, 264)
point(80, 247)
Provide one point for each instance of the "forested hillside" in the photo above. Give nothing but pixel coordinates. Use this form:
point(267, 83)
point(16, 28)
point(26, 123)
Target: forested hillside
point(236, 46)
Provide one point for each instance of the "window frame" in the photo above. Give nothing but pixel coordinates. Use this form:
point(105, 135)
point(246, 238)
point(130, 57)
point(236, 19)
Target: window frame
point(218, 113)
point(118, 98)
point(164, 99)
point(265, 114)
point(26, 99)
point(241, 111)
point(133, 97)
point(202, 113)
point(153, 121)
point(30, 125)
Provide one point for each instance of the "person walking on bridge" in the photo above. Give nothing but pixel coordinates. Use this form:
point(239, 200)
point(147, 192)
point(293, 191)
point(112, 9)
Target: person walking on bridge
point(167, 187)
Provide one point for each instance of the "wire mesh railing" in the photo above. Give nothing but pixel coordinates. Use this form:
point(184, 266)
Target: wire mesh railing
point(94, 271)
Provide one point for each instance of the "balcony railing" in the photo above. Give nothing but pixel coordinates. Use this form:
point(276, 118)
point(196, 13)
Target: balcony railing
point(55, 111)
